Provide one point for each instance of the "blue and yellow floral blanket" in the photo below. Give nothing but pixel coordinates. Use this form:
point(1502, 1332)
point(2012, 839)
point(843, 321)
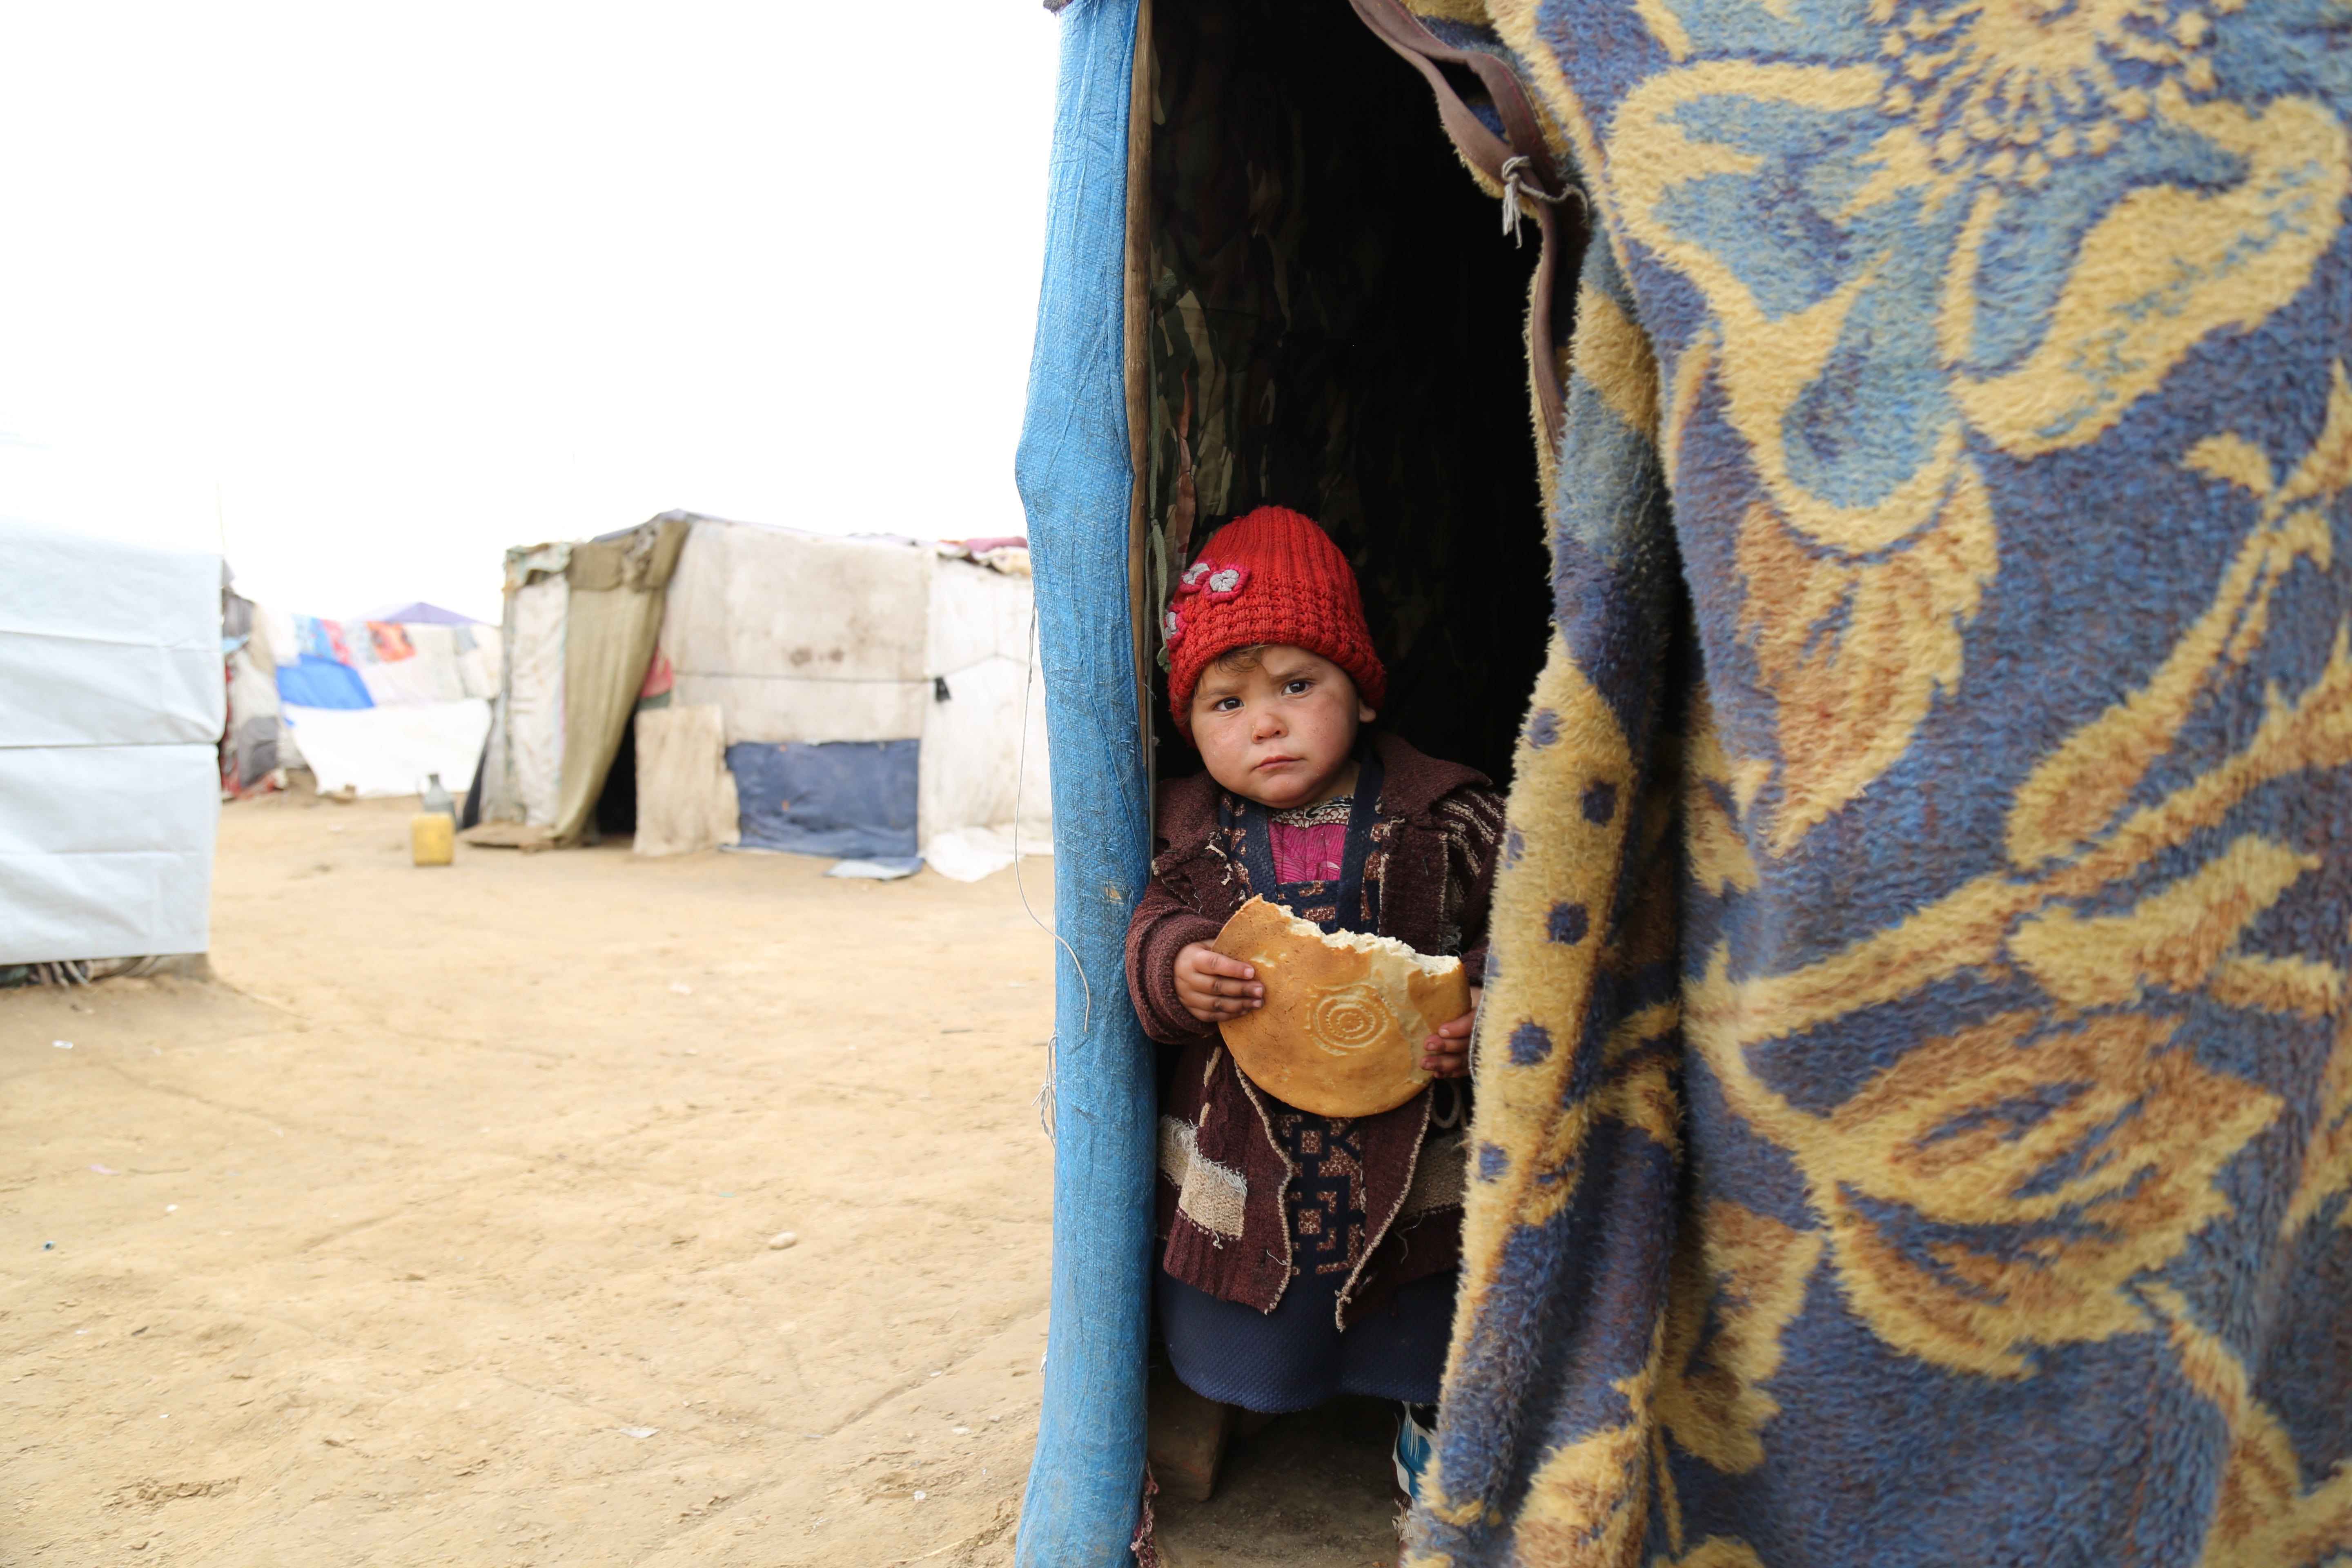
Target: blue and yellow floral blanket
point(1916, 1106)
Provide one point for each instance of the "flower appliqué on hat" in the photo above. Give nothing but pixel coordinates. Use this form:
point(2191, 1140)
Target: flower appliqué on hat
point(1214, 581)
point(1172, 627)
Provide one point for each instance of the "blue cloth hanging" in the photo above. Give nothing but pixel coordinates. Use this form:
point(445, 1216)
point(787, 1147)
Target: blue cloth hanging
point(315, 683)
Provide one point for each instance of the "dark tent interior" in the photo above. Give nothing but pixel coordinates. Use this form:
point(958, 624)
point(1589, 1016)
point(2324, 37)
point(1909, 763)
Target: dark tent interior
point(1338, 324)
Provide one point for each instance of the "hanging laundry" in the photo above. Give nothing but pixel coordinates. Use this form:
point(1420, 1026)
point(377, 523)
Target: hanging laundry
point(321, 639)
point(391, 640)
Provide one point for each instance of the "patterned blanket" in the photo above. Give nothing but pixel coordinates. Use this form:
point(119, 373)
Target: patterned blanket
point(1916, 1106)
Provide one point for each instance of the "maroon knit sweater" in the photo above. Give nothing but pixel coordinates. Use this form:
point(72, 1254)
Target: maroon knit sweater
point(1223, 1176)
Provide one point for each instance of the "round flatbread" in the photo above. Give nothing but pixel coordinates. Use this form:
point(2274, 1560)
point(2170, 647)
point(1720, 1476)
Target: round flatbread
point(1345, 1015)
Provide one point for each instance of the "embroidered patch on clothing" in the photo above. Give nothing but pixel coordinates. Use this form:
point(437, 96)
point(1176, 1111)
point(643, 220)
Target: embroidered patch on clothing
point(1327, 1197)
point(1335, 811)
point(1209, 1194)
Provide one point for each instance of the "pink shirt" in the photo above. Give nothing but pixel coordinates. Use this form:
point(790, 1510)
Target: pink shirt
point(1308, 853)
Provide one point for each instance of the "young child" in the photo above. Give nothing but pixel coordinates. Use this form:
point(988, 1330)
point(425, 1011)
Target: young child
point(1306, 1256)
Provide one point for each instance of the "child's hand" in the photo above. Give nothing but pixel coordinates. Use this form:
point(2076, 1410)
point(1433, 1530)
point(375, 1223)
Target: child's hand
point(1213, 987)
point(1446, 1054)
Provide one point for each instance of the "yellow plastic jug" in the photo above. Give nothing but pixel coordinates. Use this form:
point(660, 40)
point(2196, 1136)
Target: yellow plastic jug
point(432, 838)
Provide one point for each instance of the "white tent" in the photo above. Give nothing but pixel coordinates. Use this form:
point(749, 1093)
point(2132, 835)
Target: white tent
point(112, 705)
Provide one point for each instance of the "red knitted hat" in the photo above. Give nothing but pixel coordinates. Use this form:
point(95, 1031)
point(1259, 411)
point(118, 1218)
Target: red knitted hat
point(1273, 577)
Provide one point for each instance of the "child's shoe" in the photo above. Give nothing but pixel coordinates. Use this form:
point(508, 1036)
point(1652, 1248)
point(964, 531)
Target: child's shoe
point(1416, 1442)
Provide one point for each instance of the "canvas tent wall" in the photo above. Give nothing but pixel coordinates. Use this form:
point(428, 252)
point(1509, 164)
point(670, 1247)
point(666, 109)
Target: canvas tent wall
point(857, 697)
point(580, 625)
point(112, 707)
point(880, 685)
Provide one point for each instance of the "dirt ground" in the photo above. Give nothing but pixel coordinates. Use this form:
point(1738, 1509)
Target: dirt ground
point(440, 1228)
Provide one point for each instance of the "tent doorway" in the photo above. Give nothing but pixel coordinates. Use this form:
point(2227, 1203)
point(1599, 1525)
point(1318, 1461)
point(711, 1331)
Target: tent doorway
point(1326, 314)
point(616, 815)
point(1335, 322)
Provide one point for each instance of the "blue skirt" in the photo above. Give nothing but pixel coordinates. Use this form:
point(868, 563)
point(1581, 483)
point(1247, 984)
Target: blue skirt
point(1296, 1356)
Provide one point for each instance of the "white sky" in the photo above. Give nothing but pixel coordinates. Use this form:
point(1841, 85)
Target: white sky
point(379, 291)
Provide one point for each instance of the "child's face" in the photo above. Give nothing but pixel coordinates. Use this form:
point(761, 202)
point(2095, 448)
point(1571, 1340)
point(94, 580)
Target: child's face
point(1282, 731)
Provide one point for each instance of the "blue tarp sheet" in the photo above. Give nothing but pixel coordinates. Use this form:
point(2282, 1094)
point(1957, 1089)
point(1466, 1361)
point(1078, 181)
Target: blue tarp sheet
point(315, 683)
point(853, 799)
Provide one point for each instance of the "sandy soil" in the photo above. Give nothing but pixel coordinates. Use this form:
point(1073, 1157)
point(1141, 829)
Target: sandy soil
point(439, 1229)
point(388, 1248)
point(1311, 1491)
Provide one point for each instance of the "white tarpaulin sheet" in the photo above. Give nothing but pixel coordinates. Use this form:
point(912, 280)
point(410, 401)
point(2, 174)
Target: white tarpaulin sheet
point(800, 637)
point(534, 729)
point(980, 654)
point(686, 796)
point(107, 645)
point(111, 704)
point(106, 851)
point(384, 752)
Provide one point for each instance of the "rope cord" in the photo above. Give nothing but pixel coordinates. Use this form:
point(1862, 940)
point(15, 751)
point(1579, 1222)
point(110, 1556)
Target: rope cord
point(1045, 1100)
point(1519, 179)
